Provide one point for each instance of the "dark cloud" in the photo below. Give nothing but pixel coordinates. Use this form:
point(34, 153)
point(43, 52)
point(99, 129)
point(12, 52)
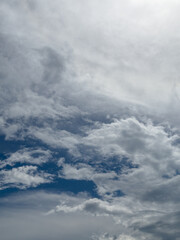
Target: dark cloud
point(166, 228)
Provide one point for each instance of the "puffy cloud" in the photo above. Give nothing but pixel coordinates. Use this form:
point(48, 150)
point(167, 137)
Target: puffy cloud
point(148, 146)
point(144, 143)
point(72, 172)
point(23, 177)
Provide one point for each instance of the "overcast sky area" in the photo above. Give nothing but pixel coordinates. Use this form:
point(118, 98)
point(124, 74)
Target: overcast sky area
point(89, 119)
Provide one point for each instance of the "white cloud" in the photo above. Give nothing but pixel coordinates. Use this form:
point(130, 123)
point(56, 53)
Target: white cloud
point(148, 146)
point(23, 177)
point(96, 207)
point(60, 162)
point(27, 155)
point(123, 53)
point(144, 143)
point(56, 138)
point(71, 172)
point(106, 182)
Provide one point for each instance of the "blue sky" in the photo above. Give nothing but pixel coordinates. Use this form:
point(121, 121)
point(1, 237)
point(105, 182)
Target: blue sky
point(89, 120)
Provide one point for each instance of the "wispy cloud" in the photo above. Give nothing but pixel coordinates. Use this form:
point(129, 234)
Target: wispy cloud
point(23, 177)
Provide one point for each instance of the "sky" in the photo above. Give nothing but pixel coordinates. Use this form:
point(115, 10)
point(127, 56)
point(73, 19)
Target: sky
point(89, 120)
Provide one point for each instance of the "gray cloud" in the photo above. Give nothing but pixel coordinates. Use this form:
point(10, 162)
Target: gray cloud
point(87, 77)
point(28, 221)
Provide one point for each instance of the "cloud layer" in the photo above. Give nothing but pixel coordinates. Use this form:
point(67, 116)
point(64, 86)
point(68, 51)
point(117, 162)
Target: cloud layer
point(89, 129)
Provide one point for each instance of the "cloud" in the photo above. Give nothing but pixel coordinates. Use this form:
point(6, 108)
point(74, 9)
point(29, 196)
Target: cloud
point(106, 182)
point(56, 139)
point(94, 206)
point(81, 216)
point(27, 155)
point(122, 57)
point(106, 236)
point(143, 143)
point(128, 219)
point(148, 146)
point(72, 172)
point(25, 218)
point(23, 177)
point(105, 90)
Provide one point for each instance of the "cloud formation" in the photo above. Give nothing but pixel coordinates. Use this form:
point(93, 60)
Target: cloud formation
point(89, 93)
point(23, 177)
